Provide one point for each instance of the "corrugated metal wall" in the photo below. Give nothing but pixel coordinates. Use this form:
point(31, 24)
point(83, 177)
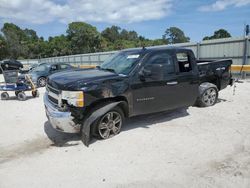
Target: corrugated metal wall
point(213, 49)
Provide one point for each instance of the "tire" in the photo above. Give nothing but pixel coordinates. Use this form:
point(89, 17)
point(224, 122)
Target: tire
point(208, 95)
point(106, 127)
point(35, 93)
point(5, 96)
point(21, 96)
point(41, 82)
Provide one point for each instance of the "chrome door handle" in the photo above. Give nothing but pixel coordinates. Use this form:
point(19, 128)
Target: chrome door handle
point(172, 83)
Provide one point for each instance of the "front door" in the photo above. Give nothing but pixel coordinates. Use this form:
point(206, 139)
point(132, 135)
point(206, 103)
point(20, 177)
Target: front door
point(151, 95)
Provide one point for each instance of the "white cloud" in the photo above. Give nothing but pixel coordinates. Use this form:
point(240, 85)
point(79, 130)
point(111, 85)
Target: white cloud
point(112, 11)
point(223, 4)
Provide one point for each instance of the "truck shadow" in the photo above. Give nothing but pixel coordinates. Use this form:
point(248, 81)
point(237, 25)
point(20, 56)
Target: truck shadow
point(145, 121)
point(61, 139)
point(219, 100)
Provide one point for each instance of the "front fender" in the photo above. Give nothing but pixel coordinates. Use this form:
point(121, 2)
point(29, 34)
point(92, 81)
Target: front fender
point(85, 130)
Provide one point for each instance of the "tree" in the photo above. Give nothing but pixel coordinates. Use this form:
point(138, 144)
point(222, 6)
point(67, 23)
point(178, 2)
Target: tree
point(84, 38)
point(112, 33)
point(14, 39)
point(3, 48)
point(221, 33)
point(20, 43)
point(81, 37)
point(175, 35)
point(58, 46)
point(30, 35)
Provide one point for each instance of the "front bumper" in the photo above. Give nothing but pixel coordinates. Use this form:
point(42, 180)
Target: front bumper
point(61, 121)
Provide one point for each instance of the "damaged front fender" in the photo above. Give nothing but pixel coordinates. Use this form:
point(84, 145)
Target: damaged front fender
point(86, 127)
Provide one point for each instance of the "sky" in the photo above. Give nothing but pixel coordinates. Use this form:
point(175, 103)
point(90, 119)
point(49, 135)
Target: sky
point(149, 18)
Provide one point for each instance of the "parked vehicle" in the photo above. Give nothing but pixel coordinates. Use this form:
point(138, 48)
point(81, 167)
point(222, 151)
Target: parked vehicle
point(10, 65)
point(40, 73)
point(26, 70)
point(130, 83)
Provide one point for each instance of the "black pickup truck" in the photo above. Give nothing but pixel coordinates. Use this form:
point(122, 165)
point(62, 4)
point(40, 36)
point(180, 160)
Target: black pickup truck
point(95, 102)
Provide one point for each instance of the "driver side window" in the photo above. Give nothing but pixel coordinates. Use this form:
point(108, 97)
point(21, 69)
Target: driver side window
point(165, 59)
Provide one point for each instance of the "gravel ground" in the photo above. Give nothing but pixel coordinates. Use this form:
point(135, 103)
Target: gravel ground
point(194, 147)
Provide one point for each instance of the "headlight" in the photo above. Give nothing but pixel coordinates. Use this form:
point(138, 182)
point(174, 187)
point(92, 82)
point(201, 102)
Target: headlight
point(75, 98)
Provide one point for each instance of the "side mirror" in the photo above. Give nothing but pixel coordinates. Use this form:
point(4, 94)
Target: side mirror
point(155, 72)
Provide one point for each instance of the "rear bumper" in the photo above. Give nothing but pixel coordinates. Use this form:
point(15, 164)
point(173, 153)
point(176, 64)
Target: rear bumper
point(61, 121)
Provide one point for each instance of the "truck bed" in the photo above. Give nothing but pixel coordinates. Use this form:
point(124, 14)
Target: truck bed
point(215, 71)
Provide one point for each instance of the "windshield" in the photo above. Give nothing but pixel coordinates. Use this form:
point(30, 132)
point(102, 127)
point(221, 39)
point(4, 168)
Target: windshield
point(40, 68)
point(122, 62)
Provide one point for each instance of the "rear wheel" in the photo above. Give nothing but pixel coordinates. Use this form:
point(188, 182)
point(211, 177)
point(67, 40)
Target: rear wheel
point(5, 96)
point(21, 96)
point(41, 82)
point(209, 97)
point(109, 124)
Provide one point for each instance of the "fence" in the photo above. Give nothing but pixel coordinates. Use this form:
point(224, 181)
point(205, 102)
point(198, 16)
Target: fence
point(237, 49)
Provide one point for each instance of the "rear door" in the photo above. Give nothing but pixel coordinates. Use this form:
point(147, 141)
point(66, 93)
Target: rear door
point(64, 67)
point(187, 78)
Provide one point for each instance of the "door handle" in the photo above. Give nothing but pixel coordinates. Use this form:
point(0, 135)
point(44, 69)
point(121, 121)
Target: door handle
point(172, 83)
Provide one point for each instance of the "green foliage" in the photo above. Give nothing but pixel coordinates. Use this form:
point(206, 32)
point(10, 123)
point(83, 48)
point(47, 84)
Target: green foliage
point(84, 38)
point(221, 33)
point(81, 37)
point(14, 38)
point(111, 33)
point(175, 35)
point(58, 46)
point(3, 48)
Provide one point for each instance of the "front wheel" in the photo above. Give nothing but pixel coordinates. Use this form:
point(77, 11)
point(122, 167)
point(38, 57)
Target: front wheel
point(110, 124)
point(41, 82)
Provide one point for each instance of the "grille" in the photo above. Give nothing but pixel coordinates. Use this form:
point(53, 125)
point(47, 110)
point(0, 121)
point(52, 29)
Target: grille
point(53, 100)
point(53, 95)
point(53, 90)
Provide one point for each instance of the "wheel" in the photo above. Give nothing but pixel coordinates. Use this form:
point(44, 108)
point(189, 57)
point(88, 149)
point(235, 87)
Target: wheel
point(35, 93)
point(209, 97)
point(5, 96)
point(109, 124)
point(16, 93)
point(21, 96)
point(41, 82)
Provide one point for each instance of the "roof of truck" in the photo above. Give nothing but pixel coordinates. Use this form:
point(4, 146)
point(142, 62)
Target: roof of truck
point(153, 48)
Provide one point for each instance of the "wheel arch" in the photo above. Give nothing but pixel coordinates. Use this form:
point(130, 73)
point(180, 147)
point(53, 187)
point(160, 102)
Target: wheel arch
point(102, 102)
point(202, 88)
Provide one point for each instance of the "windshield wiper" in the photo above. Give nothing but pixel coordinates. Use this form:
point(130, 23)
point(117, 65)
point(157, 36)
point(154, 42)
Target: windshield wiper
point(108, 69)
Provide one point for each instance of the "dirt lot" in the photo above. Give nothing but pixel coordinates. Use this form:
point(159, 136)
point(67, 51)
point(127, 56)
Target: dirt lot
point(194, 147)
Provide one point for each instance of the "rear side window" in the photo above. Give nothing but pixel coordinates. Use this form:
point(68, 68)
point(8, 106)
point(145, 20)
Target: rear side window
point(54, 67)
point(184, 62)
point(164, 59)
point(64, 66)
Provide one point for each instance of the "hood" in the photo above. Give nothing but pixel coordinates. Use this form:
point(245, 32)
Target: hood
point(75, 79)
